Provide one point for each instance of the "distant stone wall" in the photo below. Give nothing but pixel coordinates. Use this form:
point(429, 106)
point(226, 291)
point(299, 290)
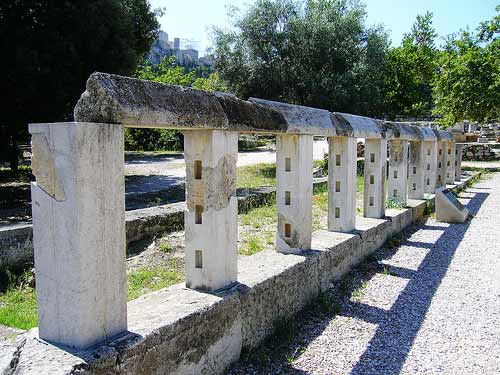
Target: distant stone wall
point(479, 153)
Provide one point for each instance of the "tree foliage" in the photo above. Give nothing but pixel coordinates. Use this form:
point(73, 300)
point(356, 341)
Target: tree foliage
point(168, 72)
point(410, 71)
point(51, 47)
point(468, 84)
point(316, 52)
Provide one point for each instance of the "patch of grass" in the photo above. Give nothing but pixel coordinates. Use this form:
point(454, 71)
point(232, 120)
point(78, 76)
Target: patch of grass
point(23, 173)
point(252, 176)
point(252, 245)
point(149, 279)
point(18, 303)
point(394, 203)
point(165, 247)
point(259, 216)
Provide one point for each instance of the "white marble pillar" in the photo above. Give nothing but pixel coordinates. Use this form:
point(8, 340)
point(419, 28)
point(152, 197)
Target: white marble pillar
point(398, 171)
point(441, 165)
point(458, 161)
point(211, 219)
point(450, 163)
point(294, 184)
point(375, 176)
point(430, 166)
point(416, 170)
point(342, 167)
point(78, 204)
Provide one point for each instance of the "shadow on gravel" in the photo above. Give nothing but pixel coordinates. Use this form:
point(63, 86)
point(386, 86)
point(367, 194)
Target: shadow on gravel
point(398, 327)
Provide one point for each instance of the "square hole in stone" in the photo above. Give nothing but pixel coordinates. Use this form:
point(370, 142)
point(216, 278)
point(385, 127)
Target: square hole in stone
point(198, 259)
point(449, 151)
point(337, 212)
point(198, 210)
point(439, 177)
point(395, 193)
point(395, 174)
point(197, 169)
point(428, 167)
point(429, 152)
point(371, 202)
point(440, 151)
point(372, 158)
point(414, 187)
point(288, 230)
point(414, 170)
point(287, 198)
point(448, 163)
point(428, 182)
point(288, 164)
point(337, 160)
point(337, 186)
point(439, 165)
point(372, 179)
point(456, 162)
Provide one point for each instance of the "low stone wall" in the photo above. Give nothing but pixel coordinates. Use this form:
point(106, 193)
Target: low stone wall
point(16, 248)
point(479, 152)
point(182, 331)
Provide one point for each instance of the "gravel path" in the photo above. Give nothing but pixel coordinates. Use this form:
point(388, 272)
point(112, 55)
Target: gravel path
point(432, 306)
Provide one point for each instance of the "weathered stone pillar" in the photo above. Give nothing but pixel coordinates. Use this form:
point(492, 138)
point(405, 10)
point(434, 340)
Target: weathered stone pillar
point(450, 163)
point(458, 161)
point(375, 175)
point(398, 171)
point(294, 160)
point(78, 204)
point(430, 166)
point(211, 219)
point(441, 164)
point(342, 167)
point(416, 172)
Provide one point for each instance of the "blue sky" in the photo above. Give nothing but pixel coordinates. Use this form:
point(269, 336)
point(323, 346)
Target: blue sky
point(193, 18)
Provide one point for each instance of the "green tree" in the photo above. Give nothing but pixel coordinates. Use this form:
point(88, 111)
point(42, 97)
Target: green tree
point(468, 84)
point(410, 71)
point(168, 72)
point(52, 47)
point(315, 52)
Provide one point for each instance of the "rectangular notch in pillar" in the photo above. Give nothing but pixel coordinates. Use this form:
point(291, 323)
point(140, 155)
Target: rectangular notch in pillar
point(197, 169)
point(198, 259)
point(288, 230)
point(288, 164)
point(198, 210)
point(288, 198)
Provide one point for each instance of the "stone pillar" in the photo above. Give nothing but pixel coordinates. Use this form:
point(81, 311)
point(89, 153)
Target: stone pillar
point(342, 168)
point(450, 163)
point(416, 172)
point(398, 171)
point(294, 160)
point(211, 218)
point(458, 161)
point(430, 166)
point(375, 175)
point(78, 204)
point(441, 165)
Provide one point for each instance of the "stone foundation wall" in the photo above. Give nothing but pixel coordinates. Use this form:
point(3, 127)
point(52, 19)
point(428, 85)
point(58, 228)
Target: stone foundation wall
point(479, 153)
